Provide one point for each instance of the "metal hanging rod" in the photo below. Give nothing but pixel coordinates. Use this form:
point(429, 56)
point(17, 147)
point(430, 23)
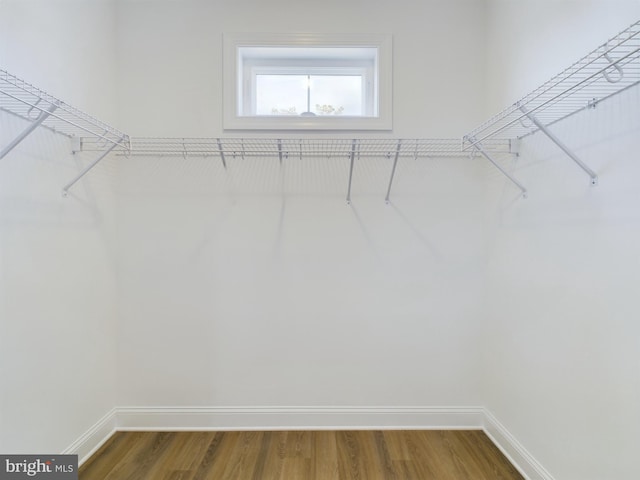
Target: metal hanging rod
point(606, 71)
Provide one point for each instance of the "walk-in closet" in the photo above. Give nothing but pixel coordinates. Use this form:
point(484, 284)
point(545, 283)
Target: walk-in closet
point(324, 240)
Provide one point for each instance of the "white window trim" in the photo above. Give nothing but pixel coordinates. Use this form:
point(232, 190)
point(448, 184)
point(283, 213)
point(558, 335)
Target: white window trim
point(232, 120)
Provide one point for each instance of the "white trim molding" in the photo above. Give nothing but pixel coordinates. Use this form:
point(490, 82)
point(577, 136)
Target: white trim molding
point(298, 418)
point(234, 83)
point(90, 441)
point(135, 418)
point(515, 452)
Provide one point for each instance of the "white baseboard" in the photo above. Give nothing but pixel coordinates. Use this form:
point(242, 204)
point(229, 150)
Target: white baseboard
point(298, 418)
point(308, 418)
point(513, 450)
point(94, 438)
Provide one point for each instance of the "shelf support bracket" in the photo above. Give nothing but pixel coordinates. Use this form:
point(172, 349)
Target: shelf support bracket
point(593, 175)
point(221, 150)
point(480, 149)
point(65, 189)
point(393, 171)
point(35, 124)
point(352, 157)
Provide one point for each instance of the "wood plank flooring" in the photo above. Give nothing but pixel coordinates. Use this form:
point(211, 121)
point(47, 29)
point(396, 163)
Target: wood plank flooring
point(300, 455)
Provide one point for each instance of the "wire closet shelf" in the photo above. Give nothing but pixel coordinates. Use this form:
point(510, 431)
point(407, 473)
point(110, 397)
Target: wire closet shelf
point(299, 148)
point(606, 71)
point(88, 134)
point(285, 148)
point(610, 69)
point(41, 109)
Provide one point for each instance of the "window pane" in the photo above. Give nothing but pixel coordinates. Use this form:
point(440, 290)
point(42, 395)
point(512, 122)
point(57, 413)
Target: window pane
point(336, 94)
point(281, 94)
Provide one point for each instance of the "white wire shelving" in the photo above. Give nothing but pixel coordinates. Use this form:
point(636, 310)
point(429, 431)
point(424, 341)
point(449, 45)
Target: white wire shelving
point(88, 134)
point(298, 148)
point(608, 70)
point(31, 103)
point(41, 109)
point(283, 148)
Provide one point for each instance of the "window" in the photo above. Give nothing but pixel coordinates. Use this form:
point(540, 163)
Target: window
point(307, 82)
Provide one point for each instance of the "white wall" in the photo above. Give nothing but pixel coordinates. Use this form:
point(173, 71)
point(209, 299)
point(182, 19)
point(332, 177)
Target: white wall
point(562, 341)
point(530, 41)
point(58, 305)
point(259, 286)
point(245, 287)
point(65, 47)
point(170, 55)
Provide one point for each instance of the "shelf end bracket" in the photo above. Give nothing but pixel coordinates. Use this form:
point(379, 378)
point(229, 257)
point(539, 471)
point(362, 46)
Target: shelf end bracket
point(393, 171)
point(44, 114)
point(221, 151)
point(593, 175)
point(65, 189)
point(352, 157)
point(480, 149)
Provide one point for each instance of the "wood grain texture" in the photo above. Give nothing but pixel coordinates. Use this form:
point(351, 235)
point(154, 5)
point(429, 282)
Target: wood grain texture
point(304, 455)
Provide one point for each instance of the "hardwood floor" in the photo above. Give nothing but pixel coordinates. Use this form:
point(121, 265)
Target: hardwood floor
point(300, 455)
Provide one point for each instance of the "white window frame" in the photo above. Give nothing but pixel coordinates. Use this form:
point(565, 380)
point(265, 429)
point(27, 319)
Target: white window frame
point(239, 81)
